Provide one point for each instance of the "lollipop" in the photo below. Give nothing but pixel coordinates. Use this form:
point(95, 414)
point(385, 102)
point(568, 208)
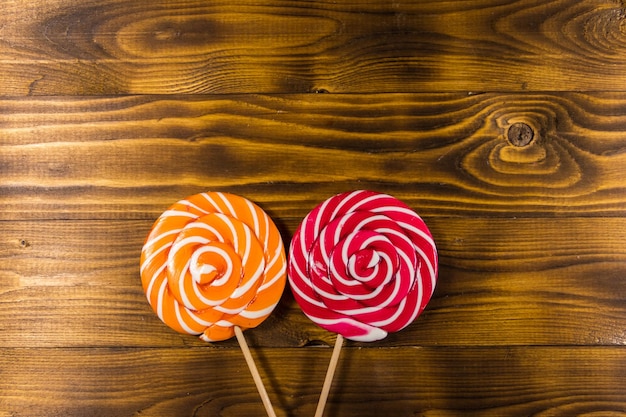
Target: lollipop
point(362, 264)
point(214, 265)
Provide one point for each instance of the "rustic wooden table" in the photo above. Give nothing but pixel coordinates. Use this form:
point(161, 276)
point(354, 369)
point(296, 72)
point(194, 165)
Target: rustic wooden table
point(503, 123)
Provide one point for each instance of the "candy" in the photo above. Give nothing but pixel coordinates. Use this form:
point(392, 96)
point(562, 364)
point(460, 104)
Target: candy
point(362, 264)
point(212, 262)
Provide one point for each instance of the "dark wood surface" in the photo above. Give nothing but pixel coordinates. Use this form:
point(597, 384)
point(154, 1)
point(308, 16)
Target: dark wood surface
point(161, 47)
point(502, 123)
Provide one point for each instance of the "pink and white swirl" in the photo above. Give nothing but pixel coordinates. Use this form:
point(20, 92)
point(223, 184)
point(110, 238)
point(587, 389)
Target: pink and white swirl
point(362, 264)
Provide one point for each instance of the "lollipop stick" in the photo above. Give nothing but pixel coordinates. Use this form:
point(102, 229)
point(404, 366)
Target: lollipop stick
point(254, 371)
point(334, 359)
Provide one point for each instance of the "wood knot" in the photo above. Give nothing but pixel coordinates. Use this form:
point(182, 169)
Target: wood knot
point(520, 134)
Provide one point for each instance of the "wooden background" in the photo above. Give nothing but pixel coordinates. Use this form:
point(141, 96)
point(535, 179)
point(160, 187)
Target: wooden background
point(111, 110)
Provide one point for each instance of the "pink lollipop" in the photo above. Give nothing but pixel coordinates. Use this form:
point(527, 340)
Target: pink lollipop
point(362, 264)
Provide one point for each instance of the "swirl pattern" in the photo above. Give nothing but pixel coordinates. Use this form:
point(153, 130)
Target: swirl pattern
point(362, 264)
point(211, 262)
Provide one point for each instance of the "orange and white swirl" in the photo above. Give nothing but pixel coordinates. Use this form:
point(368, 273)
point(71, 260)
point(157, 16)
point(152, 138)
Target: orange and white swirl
point(211, 262)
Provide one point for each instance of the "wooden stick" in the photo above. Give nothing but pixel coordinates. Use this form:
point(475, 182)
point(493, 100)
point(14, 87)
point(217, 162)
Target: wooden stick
point(334, 359)
point(255, 372)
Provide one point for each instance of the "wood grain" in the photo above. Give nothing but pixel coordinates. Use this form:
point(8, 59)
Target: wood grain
point(501, 122)
point(158, 47)
point(530, 244)
point(131, 157)
point(535, 275)
point(403, 382)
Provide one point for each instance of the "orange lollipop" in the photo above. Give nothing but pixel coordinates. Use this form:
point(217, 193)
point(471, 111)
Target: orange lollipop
point(211, 263)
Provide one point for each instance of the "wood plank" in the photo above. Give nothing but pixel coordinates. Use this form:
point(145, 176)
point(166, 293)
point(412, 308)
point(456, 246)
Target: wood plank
point(106, 252)
point(502, 282)
point(369, 382)
point(159, 47)
point(450, 154)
